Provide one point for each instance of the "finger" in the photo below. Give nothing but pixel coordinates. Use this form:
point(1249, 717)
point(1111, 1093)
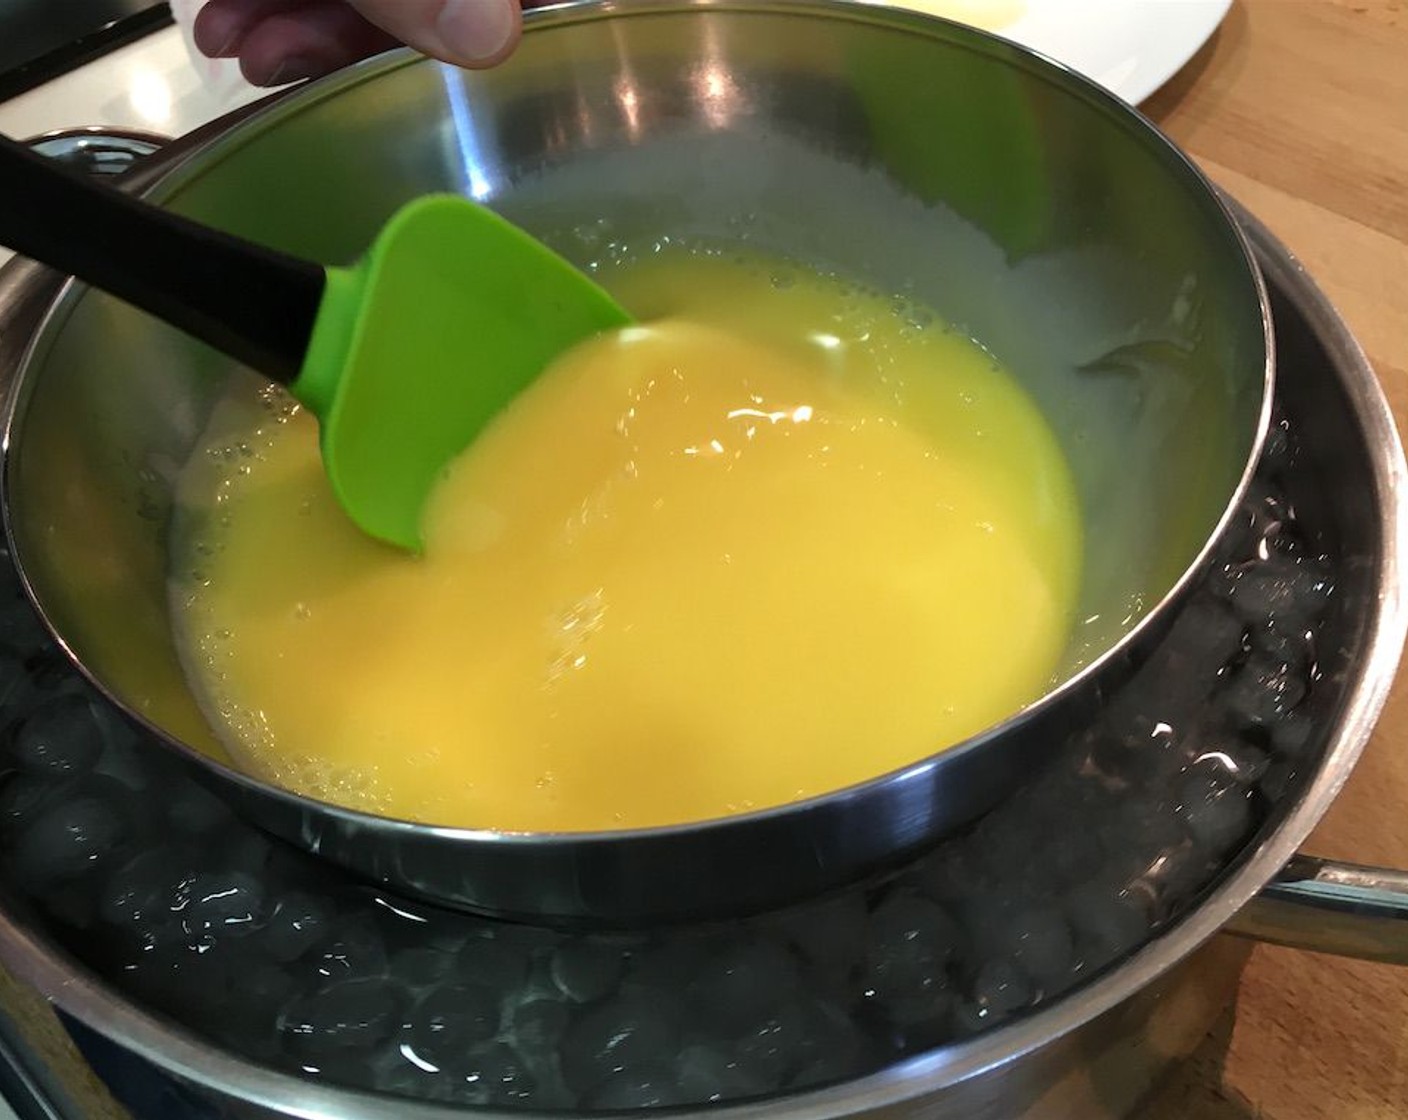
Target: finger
point(222, 25)
point(474, 33)
point(315, 38)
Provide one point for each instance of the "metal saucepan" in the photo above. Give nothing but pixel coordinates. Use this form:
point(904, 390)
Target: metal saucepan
point(1016, 198)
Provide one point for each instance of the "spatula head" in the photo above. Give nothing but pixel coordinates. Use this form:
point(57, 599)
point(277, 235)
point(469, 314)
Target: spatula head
point(450, 314)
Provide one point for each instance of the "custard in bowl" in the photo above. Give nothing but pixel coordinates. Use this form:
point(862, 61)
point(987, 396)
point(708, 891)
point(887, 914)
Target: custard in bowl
point(787, 537)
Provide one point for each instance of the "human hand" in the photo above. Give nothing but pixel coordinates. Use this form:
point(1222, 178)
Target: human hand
point(280, 41)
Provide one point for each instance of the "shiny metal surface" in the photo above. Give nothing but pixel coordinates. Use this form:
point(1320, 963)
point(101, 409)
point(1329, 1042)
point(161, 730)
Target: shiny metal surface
point(843, 135)
point(1332, 907)
point(1085, 1056)
point(98, 151)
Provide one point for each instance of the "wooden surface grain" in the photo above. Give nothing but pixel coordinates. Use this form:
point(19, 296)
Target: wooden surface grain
point(1299, 108)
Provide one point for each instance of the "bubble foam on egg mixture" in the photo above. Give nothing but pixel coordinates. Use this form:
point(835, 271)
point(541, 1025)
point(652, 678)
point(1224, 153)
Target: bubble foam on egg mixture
point(148, 880)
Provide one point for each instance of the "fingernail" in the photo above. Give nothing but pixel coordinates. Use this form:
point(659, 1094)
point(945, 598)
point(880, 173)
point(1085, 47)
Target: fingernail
point(475, 30)
point(294, 70)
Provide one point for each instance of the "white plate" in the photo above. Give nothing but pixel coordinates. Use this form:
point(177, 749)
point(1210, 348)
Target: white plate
point(1131, 47)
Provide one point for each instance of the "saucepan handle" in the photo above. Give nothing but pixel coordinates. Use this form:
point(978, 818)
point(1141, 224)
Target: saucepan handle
point(1331, 907)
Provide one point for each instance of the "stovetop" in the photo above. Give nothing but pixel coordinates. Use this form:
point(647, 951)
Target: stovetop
point(136, 73)
point(40, 39)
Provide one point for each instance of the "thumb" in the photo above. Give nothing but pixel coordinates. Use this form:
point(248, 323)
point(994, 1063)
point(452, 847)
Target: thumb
point(473, 33)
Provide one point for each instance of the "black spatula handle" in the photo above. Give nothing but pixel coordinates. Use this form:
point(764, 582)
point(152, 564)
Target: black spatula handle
point(256, 305)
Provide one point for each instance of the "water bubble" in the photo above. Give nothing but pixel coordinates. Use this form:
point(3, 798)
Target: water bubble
point(406, 1076)
point(299, 921)
point(21, 796)
point(243, 849)
point(1294, 648)
point(354, 1016)
point(537, 1026)
point(1206, 637)
point(259, 992)
point(1293, 734)
point(1034, 935)
point(67, 838)
point(713, 1073)
point(1107, 922)
point(950, 875)
point(1222, 579)
point(278, 402)
point(1280, 779)
point(786, 1040)
point(495, 1074)
point(1136, 826)
point(352, 950)
point(1231, 759)
point(1174, 875)
point(649, 1086)
point(496, 963)
point(20, 629)
point(193, 809)
point(741, 983)
point(71, 904)
point(59, 738)
point(910, 945)
point(1216, 808)
point(589, 234)
point(1000, 988)
point(586, 970)
point(1278, 450)
point(1070, 853)
point(143, 896)
point(16, 688)
point(224, 904)
point(450, 1019)
point(1286, 593)
point(1264, 691)
point(420, 966)
point(628, 1031)
point(829, 935)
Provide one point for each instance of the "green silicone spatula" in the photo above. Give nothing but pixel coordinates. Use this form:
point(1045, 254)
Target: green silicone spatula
point(403, 358)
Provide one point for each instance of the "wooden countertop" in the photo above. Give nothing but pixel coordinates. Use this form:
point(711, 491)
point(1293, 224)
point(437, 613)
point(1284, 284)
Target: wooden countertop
point(1299, 108)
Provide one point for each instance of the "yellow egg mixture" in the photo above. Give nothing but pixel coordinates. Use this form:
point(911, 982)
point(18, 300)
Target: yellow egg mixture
point(799, 538)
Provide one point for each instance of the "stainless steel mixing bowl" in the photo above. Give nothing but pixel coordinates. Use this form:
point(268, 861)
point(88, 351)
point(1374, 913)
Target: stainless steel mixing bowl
point(1020, 201)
